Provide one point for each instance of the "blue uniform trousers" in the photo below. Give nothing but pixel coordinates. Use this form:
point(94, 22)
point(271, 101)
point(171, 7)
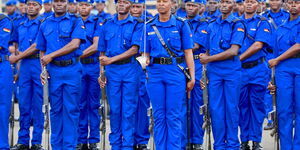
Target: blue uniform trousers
point(122, 92)
point(252, 110)
point(166, 88)
point(30, 102)
point(142, 134)
point(64, 93)
point(89, 105)
point(6, 85)
point(287, 80)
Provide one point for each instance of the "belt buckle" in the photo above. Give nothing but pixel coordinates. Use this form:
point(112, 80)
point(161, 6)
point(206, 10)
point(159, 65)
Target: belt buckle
point(162, 60)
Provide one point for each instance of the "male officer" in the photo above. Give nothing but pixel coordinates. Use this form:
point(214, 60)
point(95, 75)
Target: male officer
point(48, 8)
point(6, 80)
point(100, 5)
point(181, 12)
point(226, 36)
point(11, 9)
point(30, 98)
point(213, 11)
point(90, 92)
point(119, 41)
point(72, 7)
point(142, 134)
point(199, 30)
point(22, 7)
point(254, 71)
point(58, 40)
point(240, 8)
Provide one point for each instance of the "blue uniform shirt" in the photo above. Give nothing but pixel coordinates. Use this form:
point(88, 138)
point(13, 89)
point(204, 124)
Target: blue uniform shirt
point(47, 14)
point(221, 35)
point(181, 13)
point(56, 32)
point(175, 32)
point(279, 18)
point(117, 36)
point(27, 32)
point(90, 24)
point(5, 32)
point(287, 35)
point(103, 15)
point(14, 16)
point(199, 30)
point(257, 30)
point(213, 16)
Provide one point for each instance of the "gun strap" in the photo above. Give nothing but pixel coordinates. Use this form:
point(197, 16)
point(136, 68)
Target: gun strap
point(271, 20)
point(163, 43)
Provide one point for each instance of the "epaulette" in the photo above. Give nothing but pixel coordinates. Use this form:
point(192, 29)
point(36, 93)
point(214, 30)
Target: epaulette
point(203, 19)
point(180, 18)
point(42, 19)
point(236, 20)
point(212, 20)
point(151, 20)
point(262, 18)
point(2, 16)
point(139, 20)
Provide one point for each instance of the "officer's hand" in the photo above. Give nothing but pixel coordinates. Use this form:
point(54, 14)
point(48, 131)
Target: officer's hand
point(203, 85)
point(273, 63)
point(204, 58)
point(12, 49)
point(147, 61)
point(190, 85)
point(16, 77)
point(13, 59)
point(104, 60)
point(46, 59)
point(43, 77)
point(272, 88)
point(102, 81)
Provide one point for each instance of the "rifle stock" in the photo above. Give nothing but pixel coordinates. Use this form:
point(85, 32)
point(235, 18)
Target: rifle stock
point(102, 109)
point(273, 115)
point(12, 117)
point(46, 108)
point(151, 126)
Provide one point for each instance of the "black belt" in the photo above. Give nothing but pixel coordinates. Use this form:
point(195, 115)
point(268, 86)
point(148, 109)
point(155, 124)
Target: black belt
point(167, 60)
point(33, 56)
point(63, 63)
point(252, 64)
point(196, 57)
point(89, 60)
point(269, 50)
point(122, 62)
point(6, 57)
point(297, 55)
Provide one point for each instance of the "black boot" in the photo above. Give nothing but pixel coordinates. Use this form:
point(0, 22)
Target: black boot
point(37, 147)
point(20, 147)
point(245, 146)
point(197, 147)
point(93, 146)
point(82, 147)
point(256, 146)
point(142, 147)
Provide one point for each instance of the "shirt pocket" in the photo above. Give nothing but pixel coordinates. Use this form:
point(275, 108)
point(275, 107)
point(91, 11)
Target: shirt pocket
point(126, 41)
point(109, 41)
point(65, 32)
point(174, 41)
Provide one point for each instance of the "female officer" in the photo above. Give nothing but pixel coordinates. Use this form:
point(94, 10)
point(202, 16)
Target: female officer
point(166, 81)
point(287, 63)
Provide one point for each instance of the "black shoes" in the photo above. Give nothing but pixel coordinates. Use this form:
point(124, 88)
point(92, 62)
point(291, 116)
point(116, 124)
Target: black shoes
point(245, 146)
point(140, 147)
point(20, 147)
point(82, 147)
point(197, 147)
point(93, 146)
point(37, 147)
point(256, 146)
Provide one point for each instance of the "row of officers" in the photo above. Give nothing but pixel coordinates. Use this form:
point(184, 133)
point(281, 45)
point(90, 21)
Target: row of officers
point(237, 50)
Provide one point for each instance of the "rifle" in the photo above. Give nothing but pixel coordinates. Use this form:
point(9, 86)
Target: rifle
point(12, 114)
point(204, 110)
point(102, 109)
point(188, 120)
point(46, 107)
point(273, 115)
point(151, 126)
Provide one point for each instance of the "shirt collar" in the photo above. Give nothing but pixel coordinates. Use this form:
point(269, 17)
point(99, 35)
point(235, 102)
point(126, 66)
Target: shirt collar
point(229, 19)
point(66, 16)
point(31, 22)
point(290, 24)
point(128, 19)
point(170, 22)
point(196, 18)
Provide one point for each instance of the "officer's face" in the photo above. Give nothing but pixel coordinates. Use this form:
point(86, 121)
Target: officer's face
point(201, 8)
point(275, 4)
point(100, 6)
point(10, 9)
point(163, 6)
point(136, 10)
point(123, 6)
point(60, 6)
point(48, 7)
point(212, 5)
point(251, 6)
point(174, 6)
point(84, 9)
point(240, 8)
point(22, 8)
point(33, 8)
point(226, 6)
point(294, 7)
point(72, 8)
point(192, 9)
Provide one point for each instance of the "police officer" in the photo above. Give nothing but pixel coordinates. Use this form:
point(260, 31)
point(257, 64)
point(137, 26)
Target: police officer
point(30, 99)
point(166, 83)
point(202, 8)
point(58, 40)
point(240, 8)
point(6, 80)
point(100, 6)
point(142, 134)
point(90, 92)
point(181, 12)
point(11, 9)
point(213, 11)
point(262, 7)
point(72, 7)
point(226, 36)
point(199, 30)
point(48, 8)
point(287, 71)
point(119, 41)
point(22, 7)
point(254, 71)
